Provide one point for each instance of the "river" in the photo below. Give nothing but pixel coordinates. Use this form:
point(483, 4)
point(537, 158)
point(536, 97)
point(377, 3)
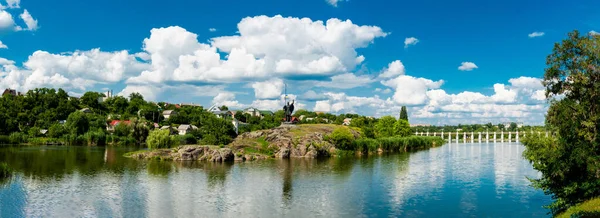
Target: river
point(455, 180)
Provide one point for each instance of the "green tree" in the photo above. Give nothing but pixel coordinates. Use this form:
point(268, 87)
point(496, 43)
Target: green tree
point(223, 108)
point(512, 127)
point(402, 128)
point(342, 138)
point(56, 131)
point(569, 163)
point(77, 123)
point(123, 129)
point(385, 127)
point(403, 113)
point(140, 130)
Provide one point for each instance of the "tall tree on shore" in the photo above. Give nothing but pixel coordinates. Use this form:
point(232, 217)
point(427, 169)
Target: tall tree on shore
point(569, 162)
point(403, 113)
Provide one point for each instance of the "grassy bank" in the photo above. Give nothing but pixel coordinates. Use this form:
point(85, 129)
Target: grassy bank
point(586, 209)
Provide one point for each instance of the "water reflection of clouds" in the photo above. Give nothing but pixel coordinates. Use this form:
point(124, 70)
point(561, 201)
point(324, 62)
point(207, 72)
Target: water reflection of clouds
point(450, 179)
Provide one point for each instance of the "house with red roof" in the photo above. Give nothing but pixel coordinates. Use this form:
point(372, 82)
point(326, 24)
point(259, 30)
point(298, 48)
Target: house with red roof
point(112, 124)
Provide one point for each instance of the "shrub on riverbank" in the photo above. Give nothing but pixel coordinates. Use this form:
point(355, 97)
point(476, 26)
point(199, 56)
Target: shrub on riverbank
point(187, 139)
point(18, 138)
point(394, 144)
point(4, 140)
point(161, 139)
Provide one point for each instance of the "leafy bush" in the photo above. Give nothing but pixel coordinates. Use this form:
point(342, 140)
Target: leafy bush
point(161, 139)
point(34, 132)
point(18, 138)
point(342, 138)
point(95, 137)
point(57, 131)
point(4, 140)
point(187, 139)
point(123, 129)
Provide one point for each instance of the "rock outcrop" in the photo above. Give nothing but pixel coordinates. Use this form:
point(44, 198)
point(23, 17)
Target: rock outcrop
point(188, 153)
point(303, 141)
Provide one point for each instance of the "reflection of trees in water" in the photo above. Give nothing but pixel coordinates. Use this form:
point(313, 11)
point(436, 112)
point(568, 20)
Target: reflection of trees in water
point(216, 173)
point(159, 168)
point(55, 162)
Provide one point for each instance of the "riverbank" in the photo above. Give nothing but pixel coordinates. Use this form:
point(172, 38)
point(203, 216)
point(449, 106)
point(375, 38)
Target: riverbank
point(292, 141)
point(589, 208)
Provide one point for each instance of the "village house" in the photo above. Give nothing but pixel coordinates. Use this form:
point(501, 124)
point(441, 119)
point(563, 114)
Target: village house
point(185, 129)
point(220, 113)
point(256, 112)
point(168, 113)
point(252, 111)
point(111, 126)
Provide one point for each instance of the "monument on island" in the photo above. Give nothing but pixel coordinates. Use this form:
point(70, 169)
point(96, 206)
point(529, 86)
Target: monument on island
point(288, 109)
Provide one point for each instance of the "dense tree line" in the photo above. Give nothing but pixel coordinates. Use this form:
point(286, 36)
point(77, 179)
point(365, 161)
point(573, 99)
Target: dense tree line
point(22, 117)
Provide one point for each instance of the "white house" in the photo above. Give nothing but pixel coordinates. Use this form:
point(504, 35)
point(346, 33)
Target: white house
point(185, 129)
point(168, 113)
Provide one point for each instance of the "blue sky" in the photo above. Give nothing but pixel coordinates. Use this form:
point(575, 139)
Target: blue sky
point(335, 56)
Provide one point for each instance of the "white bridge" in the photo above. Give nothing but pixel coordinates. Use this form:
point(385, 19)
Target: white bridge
point(480, 137)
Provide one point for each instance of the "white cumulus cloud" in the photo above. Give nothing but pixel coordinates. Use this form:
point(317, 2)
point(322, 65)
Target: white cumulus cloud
point(6, 20)
point(212, 29)
point(2, 45)
point(410, 41)
point(395, 68)
point(411, 90)
point(467, 66)
point(266, 47)
point(268, 89)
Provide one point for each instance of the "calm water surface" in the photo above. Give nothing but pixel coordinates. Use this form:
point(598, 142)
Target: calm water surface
point(455, 180)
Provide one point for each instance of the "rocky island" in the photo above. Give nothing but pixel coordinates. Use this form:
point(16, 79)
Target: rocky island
point(289, 141)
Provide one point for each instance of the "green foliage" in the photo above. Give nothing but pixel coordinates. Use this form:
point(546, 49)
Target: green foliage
point(403, 114)
point(77, 123)
point(4, 140)
point(569, 163)
point(395, 144)
point(342, 138)
point(402, 128)
point(95, 137)
point(385, 127)
point(34, 132)
point(161, 139)
point(122, 129)
point(57, 131)
point(187, 139)
point(18, 138)
point(140, 130)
